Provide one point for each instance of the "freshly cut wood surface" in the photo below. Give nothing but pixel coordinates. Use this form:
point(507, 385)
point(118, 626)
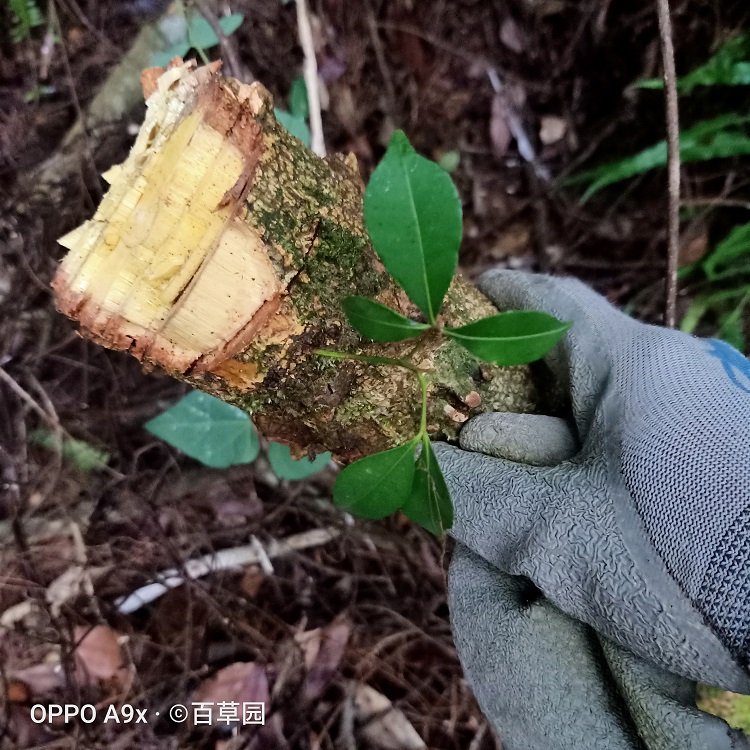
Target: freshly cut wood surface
point(166, 268)
point(221, 253)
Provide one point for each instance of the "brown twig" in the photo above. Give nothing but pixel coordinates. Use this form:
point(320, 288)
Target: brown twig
point(228, 51)
point(673, 158)
point(29, 401)
point(718, 201)
point(377, 46)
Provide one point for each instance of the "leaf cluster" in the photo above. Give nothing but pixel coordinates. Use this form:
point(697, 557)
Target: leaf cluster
point(414, 218)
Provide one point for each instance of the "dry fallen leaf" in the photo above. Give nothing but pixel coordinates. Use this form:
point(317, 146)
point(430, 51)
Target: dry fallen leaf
point(322, 649)
point(241, 682)
point(413, 53)
point(346, 110)
point(693, 244)
point(42, 679)
point(99, 657)
point(381, 724)
point(252, 581)
point(500, 135)
point(512, 36)
point(76, 580)
point(513, 241)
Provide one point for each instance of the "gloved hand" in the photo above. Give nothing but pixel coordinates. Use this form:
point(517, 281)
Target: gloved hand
point(590, 591)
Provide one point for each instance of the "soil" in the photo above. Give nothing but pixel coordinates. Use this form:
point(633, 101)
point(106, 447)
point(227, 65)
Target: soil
point(373, 599)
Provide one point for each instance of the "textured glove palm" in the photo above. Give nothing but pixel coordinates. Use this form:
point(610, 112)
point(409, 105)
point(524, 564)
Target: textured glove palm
point(637, 527)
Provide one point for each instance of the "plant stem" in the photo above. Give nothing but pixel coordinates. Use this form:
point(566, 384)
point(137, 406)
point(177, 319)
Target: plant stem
point(201, 52)
point(423, 421)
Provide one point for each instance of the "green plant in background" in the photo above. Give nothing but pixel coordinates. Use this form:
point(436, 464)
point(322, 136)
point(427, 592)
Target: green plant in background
point(414, 218)
point(730, 66)
point(78, 452)
point(295, 120)
point(218, 435)
point(26, 16)
point(724, 275)
point(192, 31)
point(720, 137)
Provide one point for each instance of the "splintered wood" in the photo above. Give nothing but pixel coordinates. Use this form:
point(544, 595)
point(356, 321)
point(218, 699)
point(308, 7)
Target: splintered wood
point(167, 268)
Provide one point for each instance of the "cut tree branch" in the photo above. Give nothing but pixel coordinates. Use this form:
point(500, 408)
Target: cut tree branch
point(221, 254)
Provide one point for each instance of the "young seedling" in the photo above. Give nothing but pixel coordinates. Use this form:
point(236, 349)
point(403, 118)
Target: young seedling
point(414, 219)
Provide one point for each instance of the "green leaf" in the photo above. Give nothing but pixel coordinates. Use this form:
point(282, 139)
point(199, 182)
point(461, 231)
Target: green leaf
point(733, 246)
point(285, 467)
point(413, 214)
point(202, 36)
point(298, 104)
point(78, 452)
point(206, 429)
point(510, 338)
point(295, 125)
point(710, 139)
point(26, 16)
point(377, 485)
point(178, 49)
point(429, 502)
point(732, 331)
point(732, 271)
point(702, 303)
point(229, 24)
point(730, 66)
point(378, 322)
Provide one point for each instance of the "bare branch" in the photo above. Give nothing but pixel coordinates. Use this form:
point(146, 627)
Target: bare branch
point(228, 52)
point(311, 78)
point(673, 158)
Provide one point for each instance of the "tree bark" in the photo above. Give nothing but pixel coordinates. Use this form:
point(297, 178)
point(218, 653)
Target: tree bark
point(221, 254)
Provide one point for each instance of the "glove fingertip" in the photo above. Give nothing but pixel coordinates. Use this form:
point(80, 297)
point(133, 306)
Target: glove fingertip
point(532, 439)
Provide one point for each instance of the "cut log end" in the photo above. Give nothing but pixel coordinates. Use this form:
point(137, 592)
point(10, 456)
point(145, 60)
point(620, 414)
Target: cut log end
point(167, 268)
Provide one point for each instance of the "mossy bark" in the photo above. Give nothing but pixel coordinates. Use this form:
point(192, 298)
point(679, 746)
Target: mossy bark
point(307, 213)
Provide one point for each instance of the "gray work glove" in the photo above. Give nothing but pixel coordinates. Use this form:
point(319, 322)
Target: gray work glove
point(590, 591)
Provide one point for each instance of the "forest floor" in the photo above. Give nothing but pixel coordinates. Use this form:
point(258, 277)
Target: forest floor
point(311, 631)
